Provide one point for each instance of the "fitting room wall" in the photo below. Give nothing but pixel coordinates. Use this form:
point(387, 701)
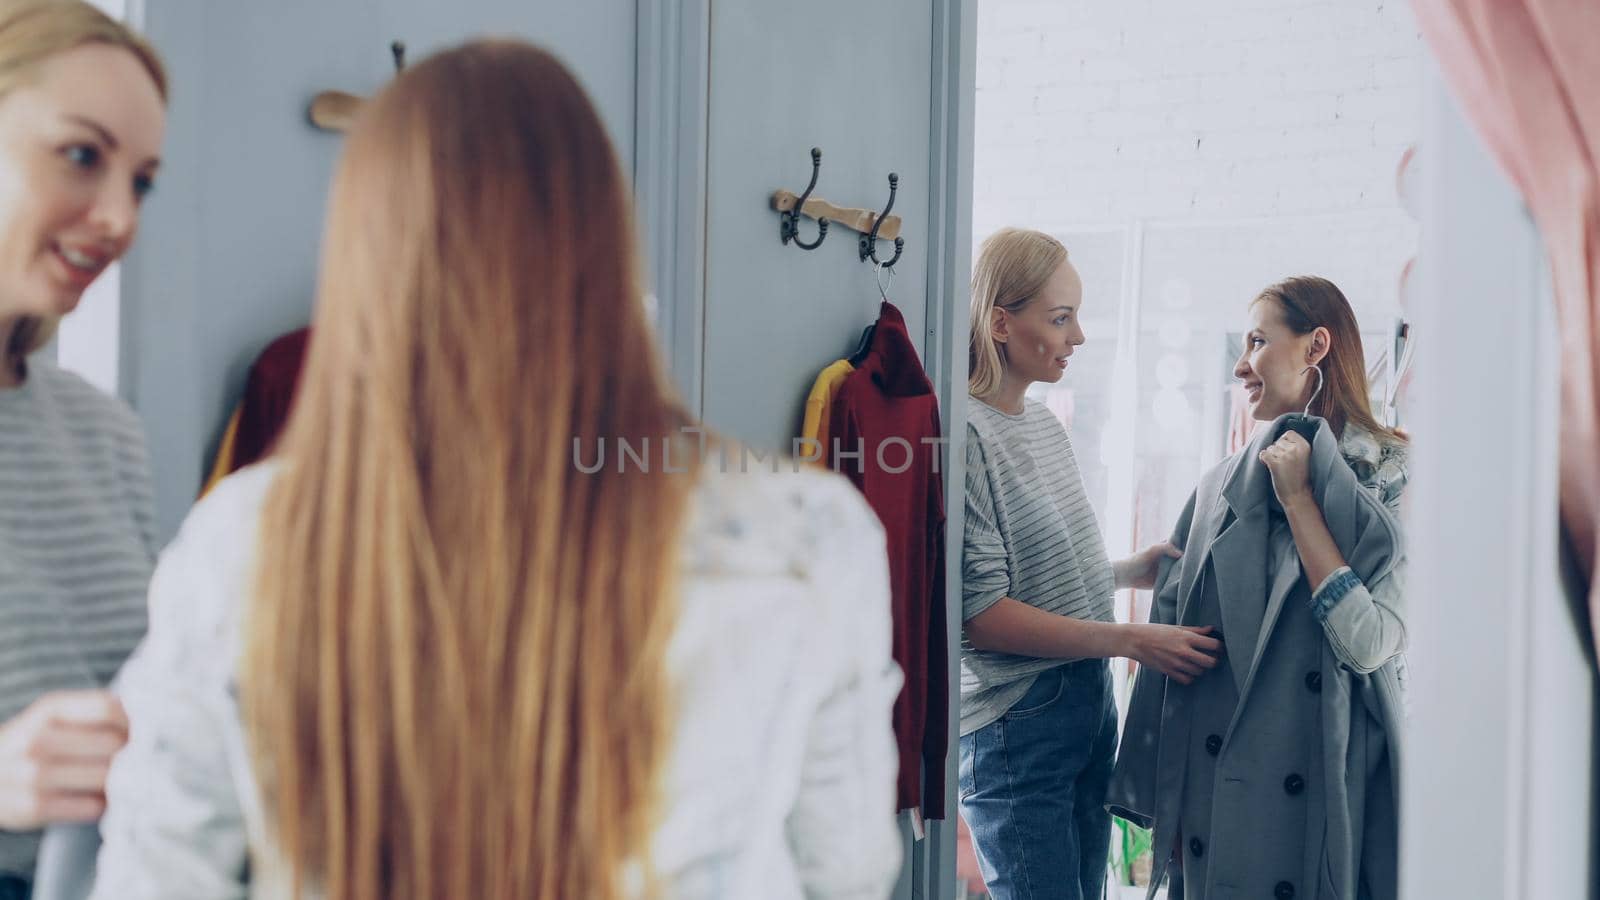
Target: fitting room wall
point(226, 259)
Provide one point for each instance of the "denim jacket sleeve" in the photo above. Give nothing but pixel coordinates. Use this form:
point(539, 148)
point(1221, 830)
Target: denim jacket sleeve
point(1365, 623)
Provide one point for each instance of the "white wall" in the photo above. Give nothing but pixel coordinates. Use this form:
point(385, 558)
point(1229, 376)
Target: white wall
point(1104, 112)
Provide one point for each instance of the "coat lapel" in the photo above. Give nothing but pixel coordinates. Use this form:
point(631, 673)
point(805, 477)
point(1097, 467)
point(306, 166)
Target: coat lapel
point(1240, 557)
point(1252, 484)
point(1241, 575)
point(1283, 582)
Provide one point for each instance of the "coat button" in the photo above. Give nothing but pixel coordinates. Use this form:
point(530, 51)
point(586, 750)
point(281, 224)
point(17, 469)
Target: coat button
point(1197, 846)
point(1214, 744)
point(1284, 891)
point(1294, 784)
point(1314, 682)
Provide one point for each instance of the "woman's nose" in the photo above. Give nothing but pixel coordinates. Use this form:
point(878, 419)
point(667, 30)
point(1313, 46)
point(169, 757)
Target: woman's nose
point(115, 214)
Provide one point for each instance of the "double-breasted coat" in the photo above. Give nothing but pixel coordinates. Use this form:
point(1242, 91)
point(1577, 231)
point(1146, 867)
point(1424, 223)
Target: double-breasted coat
point(1278, 769)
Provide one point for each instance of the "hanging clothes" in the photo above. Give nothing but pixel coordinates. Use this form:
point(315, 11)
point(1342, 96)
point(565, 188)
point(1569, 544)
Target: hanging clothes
point(264, 410)
point(1280, 768)
point(885, 438)
point(815, 430)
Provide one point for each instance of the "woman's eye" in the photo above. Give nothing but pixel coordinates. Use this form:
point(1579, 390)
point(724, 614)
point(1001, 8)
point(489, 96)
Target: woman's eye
point(84, 156)
point(142, 185)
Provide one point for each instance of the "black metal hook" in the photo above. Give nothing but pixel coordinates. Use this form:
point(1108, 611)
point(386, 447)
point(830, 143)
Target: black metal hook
point(789, 222)
point(398, 48)
point(869, 241)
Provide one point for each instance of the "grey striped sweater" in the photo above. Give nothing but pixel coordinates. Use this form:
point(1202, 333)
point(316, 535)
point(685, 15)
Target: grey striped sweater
point(77, 544)
point(1030, 535)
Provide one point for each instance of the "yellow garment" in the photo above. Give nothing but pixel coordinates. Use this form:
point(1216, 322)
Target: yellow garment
point(814, 431)
point(223, 464)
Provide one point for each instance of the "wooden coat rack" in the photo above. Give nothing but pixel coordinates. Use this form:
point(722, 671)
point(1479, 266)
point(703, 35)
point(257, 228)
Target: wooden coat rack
point(336, 110)
point(871, 225)
point(860, 220)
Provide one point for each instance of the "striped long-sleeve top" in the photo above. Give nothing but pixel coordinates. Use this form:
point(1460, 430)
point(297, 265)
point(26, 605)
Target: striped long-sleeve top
point(1031, 535)
point(77, 545)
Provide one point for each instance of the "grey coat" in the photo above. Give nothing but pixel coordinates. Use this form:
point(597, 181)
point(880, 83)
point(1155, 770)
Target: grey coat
point(1294, 792)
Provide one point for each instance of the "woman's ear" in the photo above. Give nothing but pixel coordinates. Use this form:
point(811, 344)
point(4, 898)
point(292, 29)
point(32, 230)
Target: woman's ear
point(999, 326)
point(1321, 343)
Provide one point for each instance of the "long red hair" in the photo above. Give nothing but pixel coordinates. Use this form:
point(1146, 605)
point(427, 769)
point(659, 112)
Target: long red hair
point(454, 683)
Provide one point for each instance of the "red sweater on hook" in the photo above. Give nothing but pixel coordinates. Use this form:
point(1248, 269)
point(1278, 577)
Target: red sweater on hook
point(884, 424)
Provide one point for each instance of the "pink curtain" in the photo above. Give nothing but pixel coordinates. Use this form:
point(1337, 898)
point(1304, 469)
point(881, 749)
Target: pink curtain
point(1527, 73)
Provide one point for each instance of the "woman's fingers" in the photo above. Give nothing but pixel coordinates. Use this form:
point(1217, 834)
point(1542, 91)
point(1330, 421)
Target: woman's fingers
point(54, 757)
point(84, 709)
point(1164, 549)
point(78, 744)
point(71, 807)
point(1176, 664)
point(73, 778)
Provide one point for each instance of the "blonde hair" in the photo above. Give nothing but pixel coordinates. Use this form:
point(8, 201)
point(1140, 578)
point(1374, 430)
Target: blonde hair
point(1012, 268)
point(31, 32)
point(454, 682)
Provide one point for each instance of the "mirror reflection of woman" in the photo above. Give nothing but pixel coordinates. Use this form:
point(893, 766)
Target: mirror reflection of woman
point(1277, 773)
point(1038, 724)
point(82, 114)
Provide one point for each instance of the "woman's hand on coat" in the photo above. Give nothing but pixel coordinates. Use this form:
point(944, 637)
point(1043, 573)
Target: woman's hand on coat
point(1180, 652)
point(1289, 460)
point(1139, 570)
point(54, 756)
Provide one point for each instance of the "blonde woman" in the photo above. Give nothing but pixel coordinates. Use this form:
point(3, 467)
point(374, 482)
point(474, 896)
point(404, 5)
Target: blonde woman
point(82, 111)
point(433, 650)
point(1038, 725)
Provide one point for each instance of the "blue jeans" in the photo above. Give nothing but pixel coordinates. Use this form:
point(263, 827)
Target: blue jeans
point(1033, 787)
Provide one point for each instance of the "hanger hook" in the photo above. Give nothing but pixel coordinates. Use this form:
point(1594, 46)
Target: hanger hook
point(398, 48)
point(878, 276)
point(1318, 370)
point(869, 241)
point(789, 222)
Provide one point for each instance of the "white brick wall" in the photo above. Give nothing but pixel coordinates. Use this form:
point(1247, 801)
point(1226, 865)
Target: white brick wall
point(1092, 112)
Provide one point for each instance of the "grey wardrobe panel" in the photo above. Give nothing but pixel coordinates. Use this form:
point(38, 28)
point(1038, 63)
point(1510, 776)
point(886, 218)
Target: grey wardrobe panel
point(852, 78)
point(227, 256)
